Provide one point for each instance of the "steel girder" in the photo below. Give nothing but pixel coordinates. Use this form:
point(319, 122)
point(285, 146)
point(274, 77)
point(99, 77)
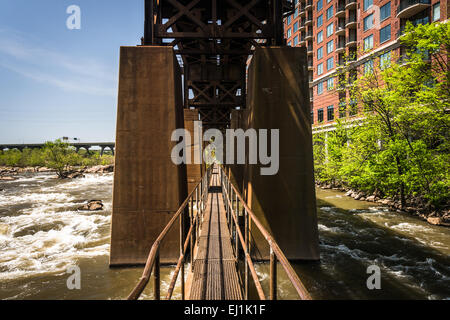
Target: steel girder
point(214, 39)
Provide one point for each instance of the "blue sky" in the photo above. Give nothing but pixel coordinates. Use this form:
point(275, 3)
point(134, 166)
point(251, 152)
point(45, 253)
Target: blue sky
point(57, 82)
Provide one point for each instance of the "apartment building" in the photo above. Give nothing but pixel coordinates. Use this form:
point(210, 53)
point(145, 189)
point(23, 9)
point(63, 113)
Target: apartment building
point(336, 31)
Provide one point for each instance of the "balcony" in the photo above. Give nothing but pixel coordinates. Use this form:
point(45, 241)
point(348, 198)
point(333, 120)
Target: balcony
point(308, 21)
point(351, 22)
point(340, 46)
point(408, 8)
point(340, 11)
point(309, 36)
point(308, 5)
point(310, 49)
point(310, 64)
point(340, 30)
point(350, 4)
point(351, 41)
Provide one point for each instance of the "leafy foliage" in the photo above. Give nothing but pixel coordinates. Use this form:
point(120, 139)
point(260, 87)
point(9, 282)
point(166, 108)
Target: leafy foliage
point(400, 146)
point(55, 155)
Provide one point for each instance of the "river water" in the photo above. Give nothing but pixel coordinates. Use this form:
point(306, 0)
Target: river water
point(42, 235)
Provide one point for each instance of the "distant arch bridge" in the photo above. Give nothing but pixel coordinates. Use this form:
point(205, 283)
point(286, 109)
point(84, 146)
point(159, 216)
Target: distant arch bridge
point(78, 146)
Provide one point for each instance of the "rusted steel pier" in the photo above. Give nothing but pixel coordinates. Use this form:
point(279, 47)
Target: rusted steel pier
point(224, 62)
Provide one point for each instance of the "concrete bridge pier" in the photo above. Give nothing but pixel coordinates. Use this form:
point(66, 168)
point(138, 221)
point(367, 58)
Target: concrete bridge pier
point(278, 98)
point(103, 148)
point(148, 187)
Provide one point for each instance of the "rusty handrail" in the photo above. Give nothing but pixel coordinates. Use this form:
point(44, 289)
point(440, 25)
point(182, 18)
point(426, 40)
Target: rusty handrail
point(275, 252)
point(153, 257)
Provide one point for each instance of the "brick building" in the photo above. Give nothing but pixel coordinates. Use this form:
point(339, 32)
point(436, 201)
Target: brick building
point(337, 30)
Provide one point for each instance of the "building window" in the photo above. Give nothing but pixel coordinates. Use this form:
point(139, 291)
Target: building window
point(385, 33)
point(437, 11)
point(367, 4)
point(295, 41)
point(330, 29)
point(368, 42)
point(289, 44)
point(319, 21)
point(319, 53)
point(312, 117)
point(329, 13)
point(320, 87)
point(385, 60)
point(319, 69)
point(288, 20)
point(320, 115)
point(385, 11)
point(330, 84)
point(320, 37)
point(330, 46)
point(296, 13)
point(330, 63)
point(368, 67)
point(289, 33)
point(342, 109)
point(296, 26)
point(353, 110)
point(319, 5)
point(368, 22)
point(330, 113)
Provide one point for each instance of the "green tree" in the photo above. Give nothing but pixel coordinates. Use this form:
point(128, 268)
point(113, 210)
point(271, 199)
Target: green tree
point(59, 156)
point(401, 147)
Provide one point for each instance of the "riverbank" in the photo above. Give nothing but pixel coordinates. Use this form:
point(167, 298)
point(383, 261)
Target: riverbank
point(11, 173)
point(414, 205)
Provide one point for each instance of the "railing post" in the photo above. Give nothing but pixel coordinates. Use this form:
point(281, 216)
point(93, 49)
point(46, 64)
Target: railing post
point(197, 195)
point(273, 275)
point(157, 278)
point(181, 254)
point(246, 252)
point(237, 226)
point(191, 242)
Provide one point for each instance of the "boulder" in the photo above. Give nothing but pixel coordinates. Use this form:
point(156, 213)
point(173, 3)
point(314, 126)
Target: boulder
point(435, 220)
point(74, 175)
point(7, 178)
point(371, 198)
point(100, 169)
point(349, 193)
point(93, 205)
point(358, 196)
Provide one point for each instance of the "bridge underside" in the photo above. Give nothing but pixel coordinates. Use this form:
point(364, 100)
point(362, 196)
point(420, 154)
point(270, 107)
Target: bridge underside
point(211, 41)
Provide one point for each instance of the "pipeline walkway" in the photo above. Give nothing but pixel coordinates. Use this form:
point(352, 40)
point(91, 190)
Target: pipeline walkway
point(214, 275)
point(214, 223)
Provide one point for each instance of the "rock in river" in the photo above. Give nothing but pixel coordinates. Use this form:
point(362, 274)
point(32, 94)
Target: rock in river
point(93, 205)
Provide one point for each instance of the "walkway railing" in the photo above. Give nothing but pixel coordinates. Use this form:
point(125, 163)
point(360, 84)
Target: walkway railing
point(235, 203)
point(198, 196)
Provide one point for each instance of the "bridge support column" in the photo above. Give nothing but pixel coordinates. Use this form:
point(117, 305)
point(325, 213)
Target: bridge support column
point(194, 171)
point(148, 186)
point(278, 98)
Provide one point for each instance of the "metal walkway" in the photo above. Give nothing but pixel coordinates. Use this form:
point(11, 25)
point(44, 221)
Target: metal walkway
point(216, 242)
point(214, 275)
